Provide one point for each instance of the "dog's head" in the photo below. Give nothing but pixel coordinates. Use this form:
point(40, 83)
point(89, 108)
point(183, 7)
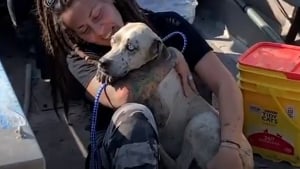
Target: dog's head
point(132, 46)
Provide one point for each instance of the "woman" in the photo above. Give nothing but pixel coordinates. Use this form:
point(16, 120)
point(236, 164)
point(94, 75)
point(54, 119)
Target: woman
point(74, 29)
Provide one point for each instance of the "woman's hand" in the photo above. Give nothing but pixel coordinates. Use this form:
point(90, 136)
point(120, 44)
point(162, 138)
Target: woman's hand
point(226, 158)
point(184, 72)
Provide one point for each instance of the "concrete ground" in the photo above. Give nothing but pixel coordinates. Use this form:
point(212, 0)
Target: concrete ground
point(64, 146)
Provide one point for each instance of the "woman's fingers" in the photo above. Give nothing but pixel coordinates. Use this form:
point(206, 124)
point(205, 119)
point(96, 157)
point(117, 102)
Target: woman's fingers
point(185, 86)
point(188, 85)
point(192, 83)
point(182, 68)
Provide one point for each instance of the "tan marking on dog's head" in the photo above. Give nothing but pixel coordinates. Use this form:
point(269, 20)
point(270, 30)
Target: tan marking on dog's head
point(132, 46)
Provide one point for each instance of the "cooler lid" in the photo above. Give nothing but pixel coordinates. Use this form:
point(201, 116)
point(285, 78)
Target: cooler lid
point(275, 57)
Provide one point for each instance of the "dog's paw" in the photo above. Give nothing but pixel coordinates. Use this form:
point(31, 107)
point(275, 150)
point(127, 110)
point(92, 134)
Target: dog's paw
point(103, 77)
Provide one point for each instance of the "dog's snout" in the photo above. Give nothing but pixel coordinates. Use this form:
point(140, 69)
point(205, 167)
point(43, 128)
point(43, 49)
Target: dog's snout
point(104, 63)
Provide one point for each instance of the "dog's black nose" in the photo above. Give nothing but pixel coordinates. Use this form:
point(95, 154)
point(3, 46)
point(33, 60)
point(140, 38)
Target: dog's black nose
point(104, 63)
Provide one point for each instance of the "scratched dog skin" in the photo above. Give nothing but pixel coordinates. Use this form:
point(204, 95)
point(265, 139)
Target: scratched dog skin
point(189, 128)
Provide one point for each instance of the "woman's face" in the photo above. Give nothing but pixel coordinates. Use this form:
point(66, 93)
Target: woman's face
point(94, 21)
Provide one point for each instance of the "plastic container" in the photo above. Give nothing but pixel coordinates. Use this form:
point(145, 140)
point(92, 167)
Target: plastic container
point(269, 77)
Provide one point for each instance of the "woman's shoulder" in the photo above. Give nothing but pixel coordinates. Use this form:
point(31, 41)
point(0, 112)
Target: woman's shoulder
point(167, 22)
point(169, 17)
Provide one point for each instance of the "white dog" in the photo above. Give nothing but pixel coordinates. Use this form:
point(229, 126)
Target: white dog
point(189, 127)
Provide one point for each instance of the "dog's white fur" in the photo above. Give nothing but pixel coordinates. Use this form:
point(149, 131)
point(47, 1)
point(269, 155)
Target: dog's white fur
point(191, 129)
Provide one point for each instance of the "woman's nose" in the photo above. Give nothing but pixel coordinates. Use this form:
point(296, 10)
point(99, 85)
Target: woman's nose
point(99, 29)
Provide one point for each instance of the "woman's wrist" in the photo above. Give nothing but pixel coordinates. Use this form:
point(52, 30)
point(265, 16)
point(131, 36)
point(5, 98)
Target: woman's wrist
point(227, 148)
point(231, 131)
point(230, 143)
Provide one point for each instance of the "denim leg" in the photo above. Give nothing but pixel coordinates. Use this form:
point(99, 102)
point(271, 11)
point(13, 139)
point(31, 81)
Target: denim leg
point(131, 140)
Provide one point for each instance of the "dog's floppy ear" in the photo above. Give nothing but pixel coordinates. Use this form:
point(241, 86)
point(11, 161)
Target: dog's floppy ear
point(158, 49)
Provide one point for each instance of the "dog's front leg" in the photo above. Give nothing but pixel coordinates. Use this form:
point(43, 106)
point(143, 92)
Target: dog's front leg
point(159, 109)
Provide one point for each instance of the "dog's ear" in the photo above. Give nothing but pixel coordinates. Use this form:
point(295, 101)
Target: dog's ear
point(158, 48)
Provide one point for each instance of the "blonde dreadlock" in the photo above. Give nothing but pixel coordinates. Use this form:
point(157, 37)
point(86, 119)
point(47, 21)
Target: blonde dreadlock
point(62, 42)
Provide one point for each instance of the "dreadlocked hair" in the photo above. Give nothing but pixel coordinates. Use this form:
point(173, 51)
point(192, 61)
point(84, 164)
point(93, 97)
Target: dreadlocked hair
point(58, 43)
point(61, 42)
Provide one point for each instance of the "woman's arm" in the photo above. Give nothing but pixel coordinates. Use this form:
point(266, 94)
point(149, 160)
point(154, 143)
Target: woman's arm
point(85, 73)
point(220, 80)
point(113, 97)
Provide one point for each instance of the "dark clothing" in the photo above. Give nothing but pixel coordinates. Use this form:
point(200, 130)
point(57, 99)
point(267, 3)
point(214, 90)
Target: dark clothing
point(20, 10)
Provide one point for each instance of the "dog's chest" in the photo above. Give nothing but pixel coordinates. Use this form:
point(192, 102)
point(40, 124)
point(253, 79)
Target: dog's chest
point(169, 102)
point(171, 111)
point(170, 92)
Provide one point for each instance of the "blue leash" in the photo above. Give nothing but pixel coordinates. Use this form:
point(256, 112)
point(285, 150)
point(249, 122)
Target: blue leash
point(95, 155)
point(183, 38)
point(95, 161)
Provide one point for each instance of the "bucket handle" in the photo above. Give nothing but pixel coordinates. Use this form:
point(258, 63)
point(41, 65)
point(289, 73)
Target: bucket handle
point(282, 110)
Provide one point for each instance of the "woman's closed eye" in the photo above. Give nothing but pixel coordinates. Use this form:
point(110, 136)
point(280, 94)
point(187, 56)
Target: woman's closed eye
point(96, 14)
point(84, 30)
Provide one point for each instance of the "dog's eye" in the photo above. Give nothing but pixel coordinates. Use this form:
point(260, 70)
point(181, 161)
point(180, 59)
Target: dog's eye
point(130, 47)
